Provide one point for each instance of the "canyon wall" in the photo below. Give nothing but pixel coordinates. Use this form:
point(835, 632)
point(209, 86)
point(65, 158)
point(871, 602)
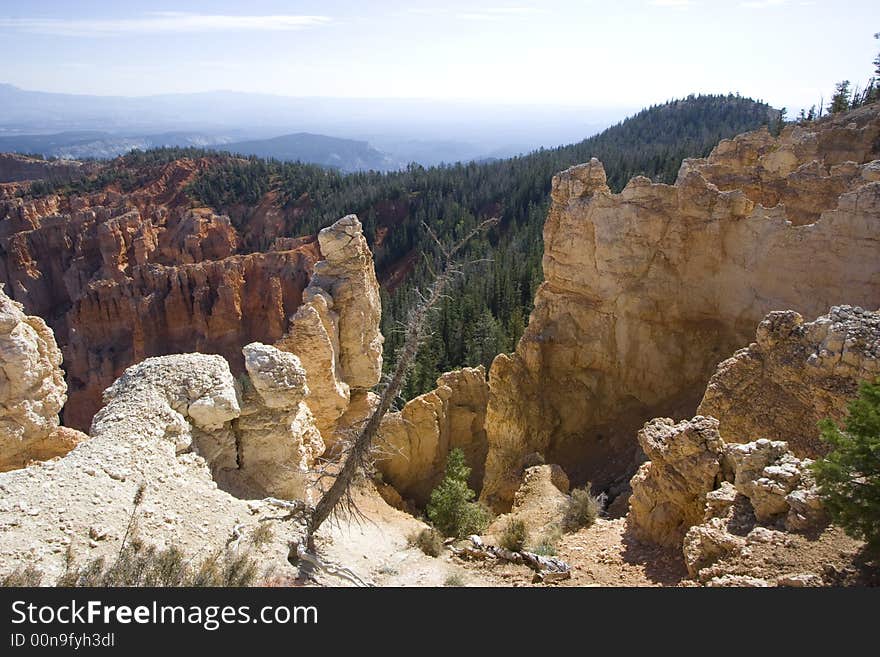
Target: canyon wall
point(414, 442)
point(646, 291)
point(124, 276)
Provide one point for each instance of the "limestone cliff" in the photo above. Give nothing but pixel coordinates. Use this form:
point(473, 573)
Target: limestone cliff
point(214, 306)
point(646, 291)
point(32, 390)
point(413, 443)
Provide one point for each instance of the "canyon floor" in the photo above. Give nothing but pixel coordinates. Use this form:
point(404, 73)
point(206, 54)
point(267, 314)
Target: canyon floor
point(378, 550)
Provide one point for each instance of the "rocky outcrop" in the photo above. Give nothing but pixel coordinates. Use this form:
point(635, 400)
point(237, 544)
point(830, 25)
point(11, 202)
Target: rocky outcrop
point(32, 390)
point(211, 306)
point(414, 442)
point(669, 491)
point(177, 425)
point(715, 499)
point(276, 435)
point(664, 279)
point(540, 503)
point(794, 375)
point(335, 332)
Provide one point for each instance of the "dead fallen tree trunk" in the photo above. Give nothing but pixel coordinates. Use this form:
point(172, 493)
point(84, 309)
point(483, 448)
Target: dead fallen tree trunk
point(547, 569)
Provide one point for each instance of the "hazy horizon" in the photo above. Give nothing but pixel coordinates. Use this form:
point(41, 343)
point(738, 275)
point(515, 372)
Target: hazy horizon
point(556, 53)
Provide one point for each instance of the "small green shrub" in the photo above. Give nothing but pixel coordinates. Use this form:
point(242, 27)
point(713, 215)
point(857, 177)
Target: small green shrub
point(582, 511)
point(429, 541)
point(514, 536)
point(849, 476)
point(451, 508)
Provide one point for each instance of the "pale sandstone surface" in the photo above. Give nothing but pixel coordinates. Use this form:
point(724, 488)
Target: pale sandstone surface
point(646, 291)
point(335, 332)
point(716, 501)
point(540, 504)
point(169, 423)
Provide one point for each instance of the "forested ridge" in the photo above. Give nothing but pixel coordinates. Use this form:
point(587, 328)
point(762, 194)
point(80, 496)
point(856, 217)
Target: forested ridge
point(487, 308)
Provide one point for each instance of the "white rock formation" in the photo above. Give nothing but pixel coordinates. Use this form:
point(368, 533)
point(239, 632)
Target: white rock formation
point(276, 434)
point(335, 332)
point(32, 390)
point(177, 425)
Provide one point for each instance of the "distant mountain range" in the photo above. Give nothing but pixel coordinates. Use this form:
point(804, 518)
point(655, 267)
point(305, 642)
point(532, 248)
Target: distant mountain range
point(86, 144)
point(347, 133)
point(344, 154)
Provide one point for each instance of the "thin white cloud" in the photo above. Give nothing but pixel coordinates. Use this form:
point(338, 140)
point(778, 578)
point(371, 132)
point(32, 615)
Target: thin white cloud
point(162, 22)
point(498, 13)
point(676, 4)
point(763, 4)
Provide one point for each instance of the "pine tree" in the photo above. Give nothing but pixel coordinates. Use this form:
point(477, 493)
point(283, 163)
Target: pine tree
point(841, 98)
point(849, 476)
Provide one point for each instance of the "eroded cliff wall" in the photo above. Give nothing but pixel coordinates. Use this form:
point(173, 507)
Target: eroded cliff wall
point(646, 291)
point(124, 276)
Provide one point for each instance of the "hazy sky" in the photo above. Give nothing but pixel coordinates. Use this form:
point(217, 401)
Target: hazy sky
point(579, 52)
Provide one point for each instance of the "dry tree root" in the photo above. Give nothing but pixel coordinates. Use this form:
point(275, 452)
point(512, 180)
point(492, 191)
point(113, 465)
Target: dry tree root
point(299, 556)
point(547, 569)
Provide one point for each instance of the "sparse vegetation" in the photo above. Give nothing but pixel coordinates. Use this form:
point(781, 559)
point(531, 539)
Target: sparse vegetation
point(142, 565)
point(454, 580)
point(546, 545)
point(429, 541)
point(514, 536)
point(849, 476)
point(23, 577)
point(139, 564)
point(452, 509)
point(583, 509)
point(262, 535)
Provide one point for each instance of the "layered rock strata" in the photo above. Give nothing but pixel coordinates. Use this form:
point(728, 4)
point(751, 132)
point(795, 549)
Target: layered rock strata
point(122, 276)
